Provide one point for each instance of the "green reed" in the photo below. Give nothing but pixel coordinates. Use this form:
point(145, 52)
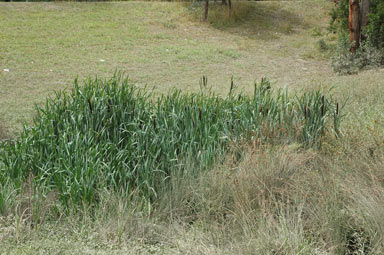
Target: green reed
point(109, 134)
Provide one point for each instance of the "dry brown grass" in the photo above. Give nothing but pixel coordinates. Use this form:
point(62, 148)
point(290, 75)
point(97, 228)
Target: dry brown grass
point(289, 201)
point(271, 200)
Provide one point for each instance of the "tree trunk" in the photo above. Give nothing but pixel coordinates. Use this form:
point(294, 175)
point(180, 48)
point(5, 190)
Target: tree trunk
point(354, 24)
point(364, 10)
point(230, 8)
point(206, 10)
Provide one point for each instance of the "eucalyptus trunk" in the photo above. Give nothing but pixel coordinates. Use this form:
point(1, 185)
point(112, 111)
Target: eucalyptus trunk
point(354, 24)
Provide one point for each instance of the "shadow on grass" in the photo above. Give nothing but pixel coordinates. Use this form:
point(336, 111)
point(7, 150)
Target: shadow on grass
point(264, 20)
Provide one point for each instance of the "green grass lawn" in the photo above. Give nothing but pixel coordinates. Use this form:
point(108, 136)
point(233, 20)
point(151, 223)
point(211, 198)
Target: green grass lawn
point(162, 45)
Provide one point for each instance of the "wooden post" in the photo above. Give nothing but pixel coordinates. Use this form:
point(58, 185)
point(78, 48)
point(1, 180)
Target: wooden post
point(206, 10)
point(354, 24)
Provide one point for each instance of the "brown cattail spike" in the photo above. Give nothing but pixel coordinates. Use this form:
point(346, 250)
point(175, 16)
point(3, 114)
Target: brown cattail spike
point(90, 105)
point(109, 106)
point(305, 111)
point(322, 106)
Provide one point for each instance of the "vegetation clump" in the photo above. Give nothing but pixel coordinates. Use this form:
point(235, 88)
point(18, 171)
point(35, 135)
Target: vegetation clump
point(370, 54)
point(109, 134)
point(366, 57)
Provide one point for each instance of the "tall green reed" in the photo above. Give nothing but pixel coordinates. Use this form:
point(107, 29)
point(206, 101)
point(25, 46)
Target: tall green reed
point(109, 134)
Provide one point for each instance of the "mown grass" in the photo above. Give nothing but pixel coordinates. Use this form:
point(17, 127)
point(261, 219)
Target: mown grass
point(163, 45)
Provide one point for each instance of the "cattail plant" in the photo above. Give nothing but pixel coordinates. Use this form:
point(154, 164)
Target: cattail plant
point(109, 134)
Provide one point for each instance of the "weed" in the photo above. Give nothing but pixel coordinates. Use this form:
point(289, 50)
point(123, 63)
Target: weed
point(322, 45)
point(316, 32)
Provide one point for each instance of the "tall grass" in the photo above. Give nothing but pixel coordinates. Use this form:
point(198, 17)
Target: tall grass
point(109, 134)
point(284, 200)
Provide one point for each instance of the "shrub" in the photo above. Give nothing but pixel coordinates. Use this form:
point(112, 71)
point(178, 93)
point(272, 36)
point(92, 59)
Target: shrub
point(339, 16)
point(375, 28)
point(367, 56)
point(109, 134)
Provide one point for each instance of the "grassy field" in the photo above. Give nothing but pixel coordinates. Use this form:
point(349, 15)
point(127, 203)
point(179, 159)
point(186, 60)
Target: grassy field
point(284, 199)
point(45, 45)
